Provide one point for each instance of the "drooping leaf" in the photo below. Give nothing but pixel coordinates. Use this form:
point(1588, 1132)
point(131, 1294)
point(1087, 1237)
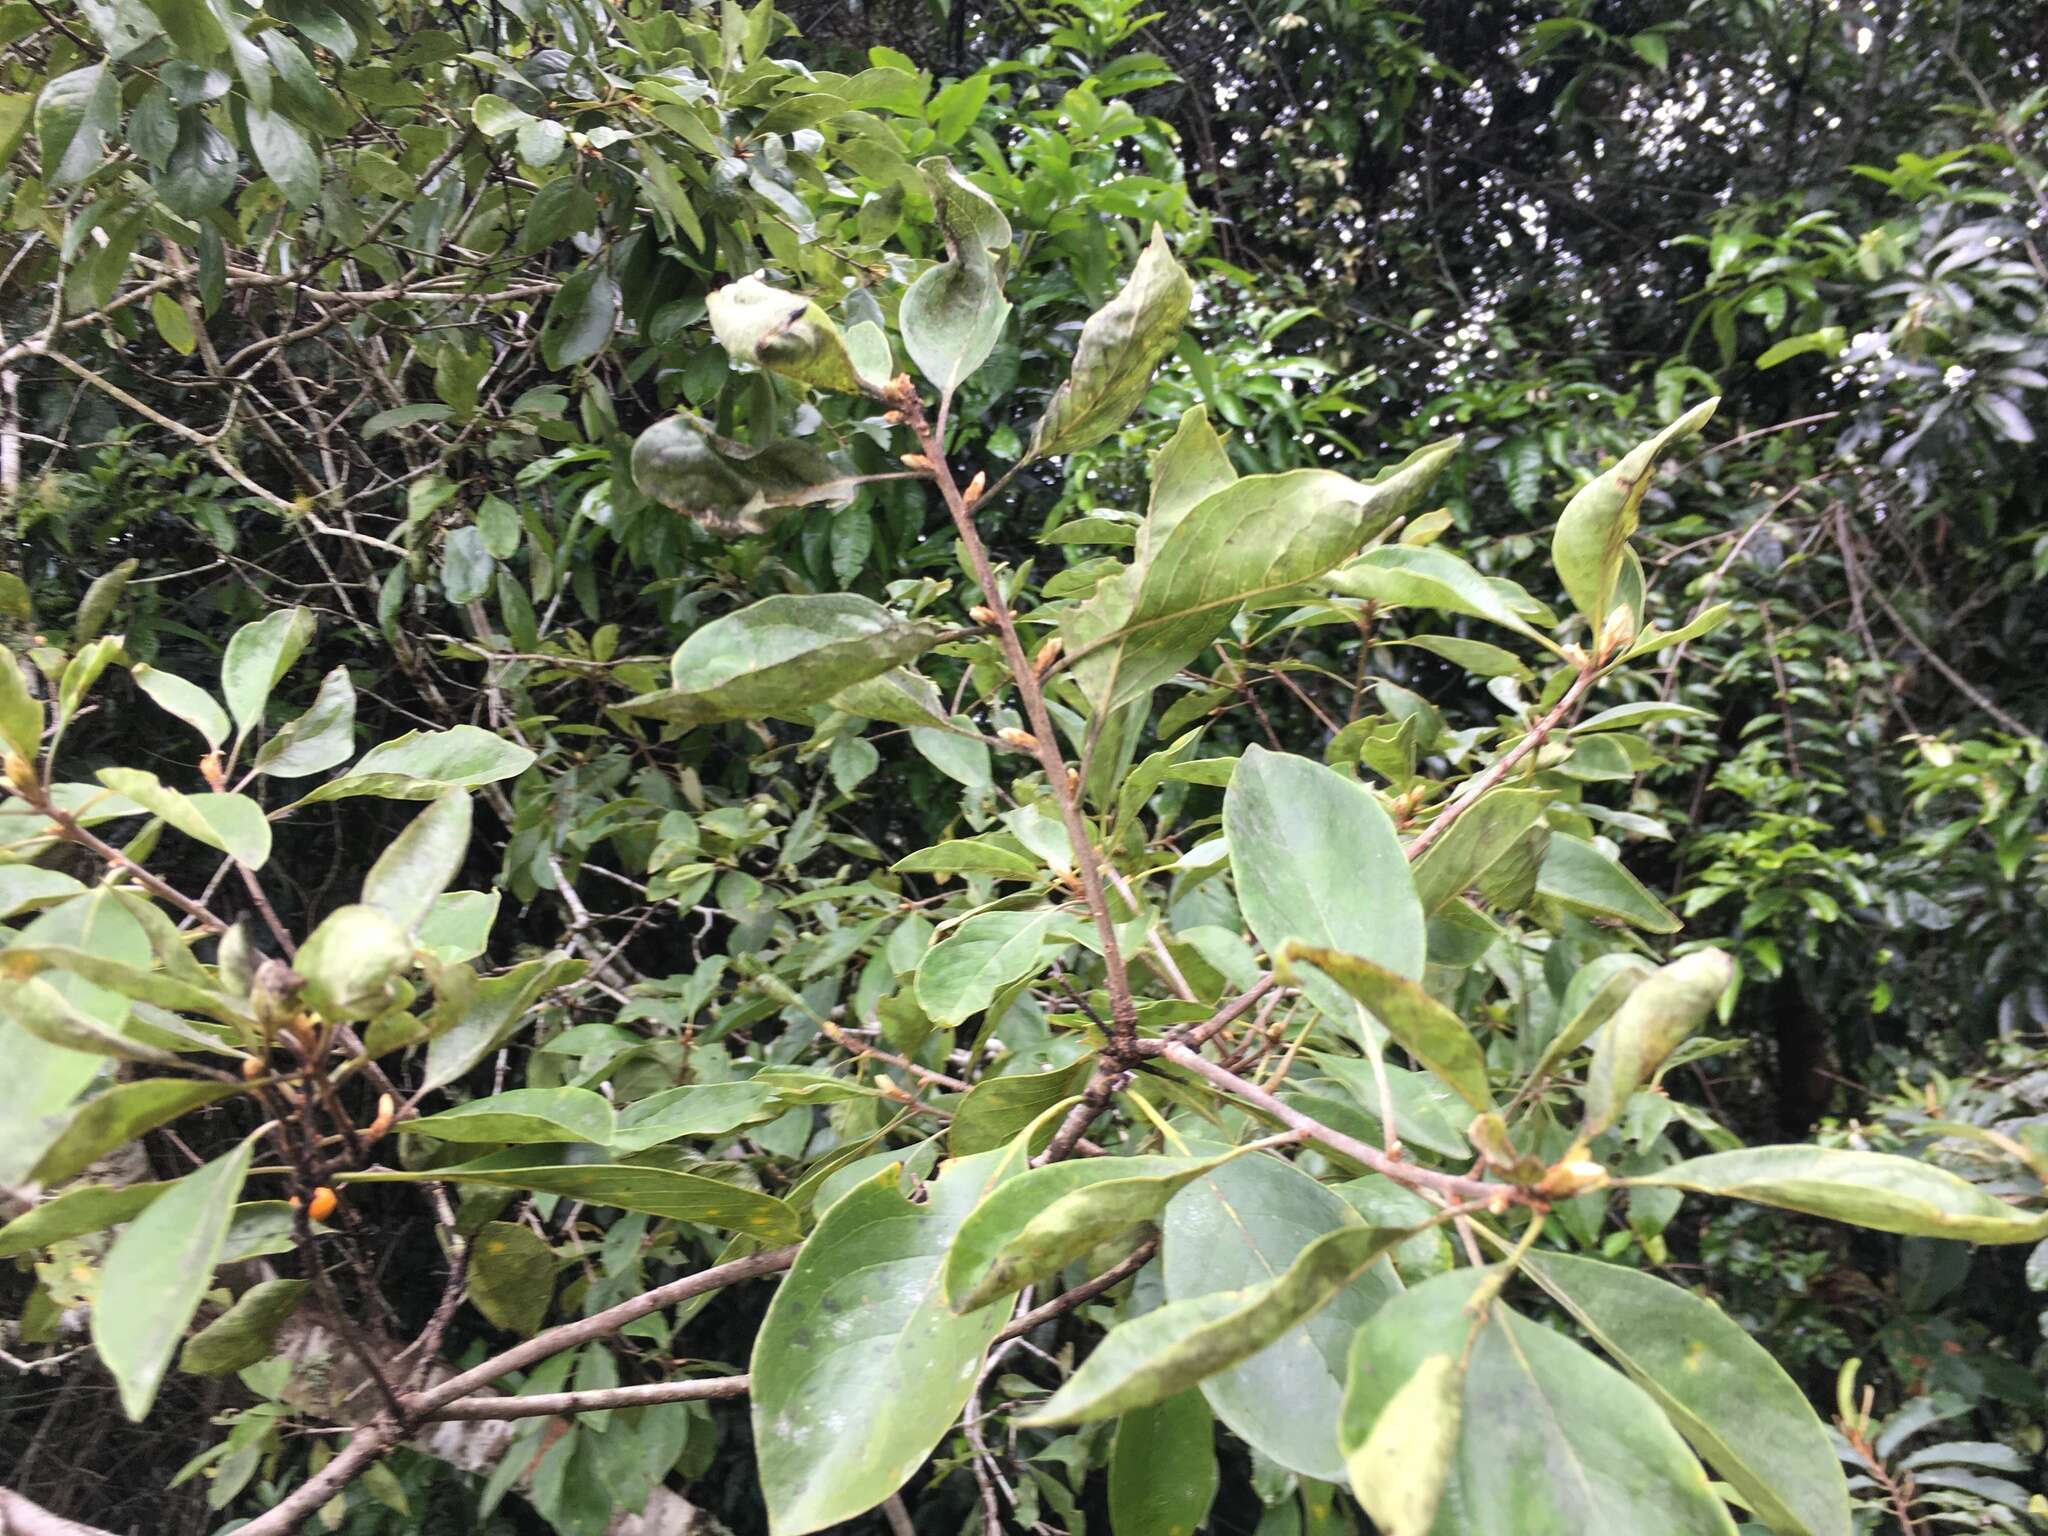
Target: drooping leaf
point(156, 1273)
point(1235, 1229)
point(1724, 1392)
point(111, 1119)
point(75, 1211)
point(320, 739)
point(1595, 527)
point(258, 655)
point(1865, 1189)
point(287, 159)
point(780, 656)
point(1423, 1027)
point(189, 702)
point(859, 1368)
point(1187, 1342)
point(1121, 345)
point(75, 115)
point(1547, 1438)
point(1657, 1016)
point(245, 1333)
point(952, 316)
point(1251, 539)
point(580, 319)
point(410, 875)
point(1046, 1218)
point(511, 1276)
point(785, 333)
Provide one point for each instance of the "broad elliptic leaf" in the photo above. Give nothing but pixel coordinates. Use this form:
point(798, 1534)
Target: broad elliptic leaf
point(998, 1108)
point(467, 569)
point(730, 488)
point(244, 1333)
point(785, 333)
point(782, 655)
point(189, 702)
point(116, 1117)
point(624, 1186)
point(350, 960)
point(1253, 538)
point(488, 1012)
point(320, 739)
point(511, 1276)
point(287, 159)
point(1399, 1471)
point(1423, 576)
point(200, 172)
point(29, 887)
point(1723, 1391)
point(1476, 842)
point(1185, 1343)
point(75, 115)
point(580, 319)
point(1162, 1468)
point(1046, 1218)
point(523, 1115)
point(1595, 527)
point(1549, 1441)
point(1655, 1019)
point(1121, 345)
point(961, 974)
point(410, 875)
point(693, 1110)
point(73, 1212)
point(156, 1273)
point(1577, 875)
point(422, 765)
point(1420, 1025)
point(1238, 1227)
point(458, 925)
point(1865, 1189)
point(859, 1369)
point(952, 316)
point(257, 656)
point(234, 824)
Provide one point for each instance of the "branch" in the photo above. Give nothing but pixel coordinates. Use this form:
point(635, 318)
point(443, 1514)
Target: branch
point(1502, 766)
point(546, 1404)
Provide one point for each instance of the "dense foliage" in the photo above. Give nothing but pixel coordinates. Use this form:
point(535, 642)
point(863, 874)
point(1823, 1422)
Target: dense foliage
point(1272, 766)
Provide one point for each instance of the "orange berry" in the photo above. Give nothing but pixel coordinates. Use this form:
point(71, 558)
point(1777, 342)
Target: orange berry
point(323, 1203)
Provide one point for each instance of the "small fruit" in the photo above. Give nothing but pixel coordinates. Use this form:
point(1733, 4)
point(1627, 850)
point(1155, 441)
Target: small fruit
point(322, 1204)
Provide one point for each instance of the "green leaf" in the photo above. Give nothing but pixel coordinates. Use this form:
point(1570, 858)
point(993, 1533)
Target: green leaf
point(156, 1273)
point(1253, 538)
point(320, 739)
point(1422, 1026)
point(1864, 1189)
point(488, 1012)
point(1486, 834)
point(998, 1108)
point(1658, 1015)
point(511, 1276)
point(118, 1116)
point(1044, 1219)
point(36, 1006)
point(782, 655)
point(694, 1110)
point(1186, 1342)
point(1423, 1108)
point(624, 1186)
point(859, 1369)
point(1547, 1438)
point(94, 609)
point(1577, 875)
point(1654, 640)
point(1121, 346)
point(1235, 1229)
point(174, 325)
point(730, 488)
point(466, 566)
point(494, 116)
point(74, 1212)
point(1627, 973)
point(969, 857)
point(785, 333)
point(189, 702)
point(75, 115)
point(523, 1115)
point(21, 712)
point(410, 875)
point(961, 974)
point(350, 961)
point(1594, 529)
point(1162, 1468)
point(458, 925)
point(234, 824)
point(287, 159)
point(423, 765)
point(244, 1333)
point(1723, 1391)
point(580, 319)
point(29, 887)
point(201, 170)
point(953, 315)
point(257, 657)
point(1424, 576)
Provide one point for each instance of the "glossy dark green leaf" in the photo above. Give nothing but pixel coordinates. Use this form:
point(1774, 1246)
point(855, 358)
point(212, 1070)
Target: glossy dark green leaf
point(1548, 1440)
point(156, 1273)
point(1162, 1468)
point(1237, 1228)
point(1655, 1019)
point(1724, 1392)
point(1121, 345)
point(780, 656)
point(860, 1369)
point(286, 157)
point(75, 115)
point(511, 1276)
point(1187, 1342)
point(410, 875)
point(1865, 1189)
point(580, 319)
point(244, 1333)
